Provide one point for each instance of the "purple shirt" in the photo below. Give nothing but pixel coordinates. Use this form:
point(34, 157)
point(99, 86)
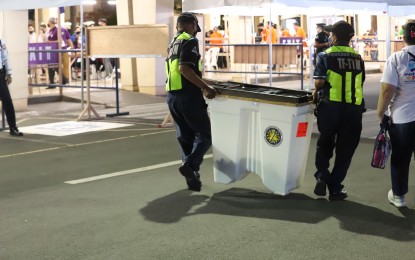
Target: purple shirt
point(53, 36)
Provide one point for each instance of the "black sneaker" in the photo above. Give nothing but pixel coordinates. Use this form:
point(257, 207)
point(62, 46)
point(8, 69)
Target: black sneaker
point(15, 132)
point(341, 195)
point(192, 177)
point(320, 189)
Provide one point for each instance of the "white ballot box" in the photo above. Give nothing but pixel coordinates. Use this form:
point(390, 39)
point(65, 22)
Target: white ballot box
point(261, 130)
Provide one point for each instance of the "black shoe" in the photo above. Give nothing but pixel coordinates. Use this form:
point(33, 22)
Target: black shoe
point(50, 87)
point(192, 177)
point(15, 132)
point(65, 80)
point(320, 189)
point(341, 195)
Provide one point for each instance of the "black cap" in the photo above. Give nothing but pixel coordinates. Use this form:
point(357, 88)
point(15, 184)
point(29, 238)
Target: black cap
point(321, 25)
point(328, 28)
point(260, 25)
point(187, 17)
point(343, 30)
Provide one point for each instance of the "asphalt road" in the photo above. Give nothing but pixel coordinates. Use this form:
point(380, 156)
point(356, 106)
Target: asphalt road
point(143, 210)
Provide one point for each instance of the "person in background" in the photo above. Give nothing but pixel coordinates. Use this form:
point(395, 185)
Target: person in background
point(262, 32)
point(32, 34)
point(321, 41)
point(299, 32)
point(221, 30)
point(338, 81)
point(77, 45)
point(66, 43)
point(185, 90)
point(5, 81)
point(42, 33)
point(396, 112)
point(285, 32)
point(217, 38)
point(106, 61)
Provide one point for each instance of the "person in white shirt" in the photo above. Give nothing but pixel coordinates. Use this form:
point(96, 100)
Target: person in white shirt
point(396, 112)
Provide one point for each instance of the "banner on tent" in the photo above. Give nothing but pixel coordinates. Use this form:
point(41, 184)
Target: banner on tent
point(37, 56)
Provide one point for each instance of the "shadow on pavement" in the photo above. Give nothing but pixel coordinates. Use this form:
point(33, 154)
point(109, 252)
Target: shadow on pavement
point(294, 207)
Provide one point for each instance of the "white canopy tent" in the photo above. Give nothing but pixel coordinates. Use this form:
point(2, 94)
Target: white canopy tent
point(308, 7)
point(256, 7)
point(36, 4)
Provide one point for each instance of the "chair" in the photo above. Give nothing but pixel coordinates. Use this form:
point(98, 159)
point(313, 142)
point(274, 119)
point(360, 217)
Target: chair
point(211, 58)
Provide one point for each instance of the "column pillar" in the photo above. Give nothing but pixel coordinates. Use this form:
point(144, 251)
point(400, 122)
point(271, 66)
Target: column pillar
point(128, 66)
point(15, 37)
point(151, 71)
point(147, 75)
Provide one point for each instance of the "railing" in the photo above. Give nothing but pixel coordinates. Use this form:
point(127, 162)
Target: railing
point(248, 58)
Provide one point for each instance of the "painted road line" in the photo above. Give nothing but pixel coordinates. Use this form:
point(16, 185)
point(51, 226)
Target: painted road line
point(121, 173)
point(80, 144)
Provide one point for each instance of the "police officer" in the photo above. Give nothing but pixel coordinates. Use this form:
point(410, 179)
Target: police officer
point(339, 77)
point(187, 106)
point(6, 99)
point(321, 42)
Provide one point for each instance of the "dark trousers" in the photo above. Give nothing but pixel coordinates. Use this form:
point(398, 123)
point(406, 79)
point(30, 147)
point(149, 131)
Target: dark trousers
point(222, 62)
point(192, 127)
point(7, 102)
point(340, 126)
point(403, 144)
point(52, 72)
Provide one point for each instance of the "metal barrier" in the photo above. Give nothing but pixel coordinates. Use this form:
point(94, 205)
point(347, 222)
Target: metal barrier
point(280, 55)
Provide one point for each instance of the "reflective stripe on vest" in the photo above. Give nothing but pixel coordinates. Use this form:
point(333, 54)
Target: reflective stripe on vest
point(346, 84)
point(174, 78)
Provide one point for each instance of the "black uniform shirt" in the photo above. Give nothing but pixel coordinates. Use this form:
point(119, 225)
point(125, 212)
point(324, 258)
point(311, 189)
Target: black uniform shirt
point(321, 37)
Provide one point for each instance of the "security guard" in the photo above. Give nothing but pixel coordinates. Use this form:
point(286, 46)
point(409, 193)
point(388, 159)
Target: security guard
point(6, 99)
point(339, 77)
point(321, 42)
point(187, 106)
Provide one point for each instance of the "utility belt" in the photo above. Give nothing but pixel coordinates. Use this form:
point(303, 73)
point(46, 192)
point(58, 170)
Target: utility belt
point(322, 97)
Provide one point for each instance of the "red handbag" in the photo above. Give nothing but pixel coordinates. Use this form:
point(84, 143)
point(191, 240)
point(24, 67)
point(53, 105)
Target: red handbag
point(381, 150)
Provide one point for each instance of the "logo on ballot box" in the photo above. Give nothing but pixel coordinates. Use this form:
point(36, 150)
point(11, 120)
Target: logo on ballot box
point(273, 136)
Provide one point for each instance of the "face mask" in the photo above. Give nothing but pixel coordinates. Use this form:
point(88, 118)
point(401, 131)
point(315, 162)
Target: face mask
point(31, 32)
point(78, 32)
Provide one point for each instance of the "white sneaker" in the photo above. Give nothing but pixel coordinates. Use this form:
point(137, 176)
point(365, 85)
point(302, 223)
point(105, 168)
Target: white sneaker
point(398, 201)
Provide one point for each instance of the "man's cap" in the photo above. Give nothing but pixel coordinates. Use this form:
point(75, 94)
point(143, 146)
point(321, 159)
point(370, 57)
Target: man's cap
point(321, 25)
point(328, 28)
point(260, 25)
point(343, 30)
point(187, 17)
point(103, 20)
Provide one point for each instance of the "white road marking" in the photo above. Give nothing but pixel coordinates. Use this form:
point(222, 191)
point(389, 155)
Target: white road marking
point(80, 144)
point(137, 170)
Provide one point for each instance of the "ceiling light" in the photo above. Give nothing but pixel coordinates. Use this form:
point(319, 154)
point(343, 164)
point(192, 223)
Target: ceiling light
point(89, 2)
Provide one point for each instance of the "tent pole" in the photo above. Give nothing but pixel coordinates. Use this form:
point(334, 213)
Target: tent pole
point(81, 9)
